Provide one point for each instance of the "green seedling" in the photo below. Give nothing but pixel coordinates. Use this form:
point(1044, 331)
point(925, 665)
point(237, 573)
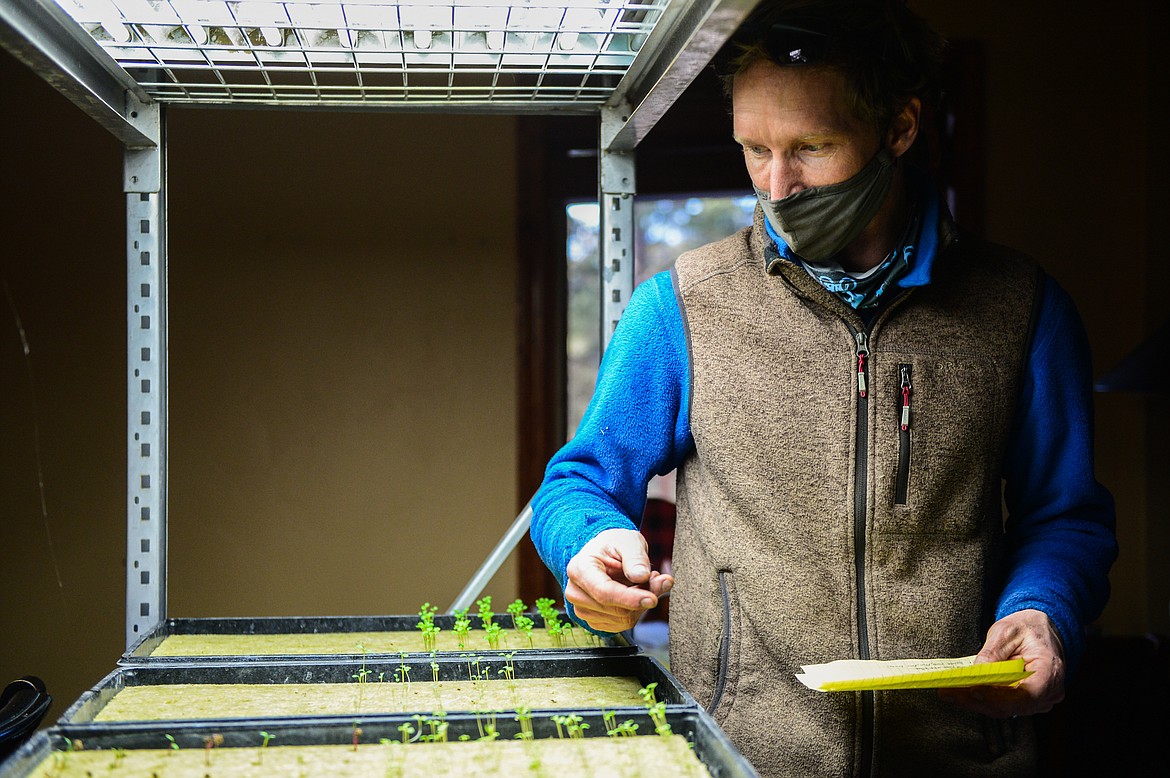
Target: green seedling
point(575, 726)
point(485, 610)
point(362, 650)
point(556, 631)
point(360, 676)
point(626, 729)
point(434, 670)
point(524, 716)
point(524, 626)
point(426, 623)
point(119, 756)
point(437, 726)
point(487, 729)
point(516, 609)
point(173, 745)
point(547, 608)
point(657, 713)
point(426, 614)
point(492, 632)
point(402, 674)
point(569, 629)
point(572, 725)
point(407, 730)
point(266, 737)
point(657, 710)
point(462, 627)
point(509, 670)
point(430, 636)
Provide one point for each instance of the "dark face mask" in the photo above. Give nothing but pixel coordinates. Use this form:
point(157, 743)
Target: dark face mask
point(818, 223)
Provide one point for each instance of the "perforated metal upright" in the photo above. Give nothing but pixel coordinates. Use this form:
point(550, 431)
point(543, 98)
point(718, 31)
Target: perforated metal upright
point(124, 61)
point(144, 182)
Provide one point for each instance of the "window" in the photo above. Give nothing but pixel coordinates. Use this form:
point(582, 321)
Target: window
point(666, 227)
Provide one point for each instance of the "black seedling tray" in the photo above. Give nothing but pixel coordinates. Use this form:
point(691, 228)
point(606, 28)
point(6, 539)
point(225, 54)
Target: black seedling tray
point(711, 745)
point(142, 650)
point(645, 668)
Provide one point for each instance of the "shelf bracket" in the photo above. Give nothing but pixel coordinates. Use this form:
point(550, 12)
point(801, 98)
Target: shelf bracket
point(41, 35)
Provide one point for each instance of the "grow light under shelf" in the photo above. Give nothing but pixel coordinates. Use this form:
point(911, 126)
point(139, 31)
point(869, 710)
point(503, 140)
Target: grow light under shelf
point(533, 54)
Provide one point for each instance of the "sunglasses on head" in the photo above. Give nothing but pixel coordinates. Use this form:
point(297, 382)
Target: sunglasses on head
point(798, 42)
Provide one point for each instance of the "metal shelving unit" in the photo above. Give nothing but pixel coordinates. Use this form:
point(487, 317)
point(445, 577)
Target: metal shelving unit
point(124, 61)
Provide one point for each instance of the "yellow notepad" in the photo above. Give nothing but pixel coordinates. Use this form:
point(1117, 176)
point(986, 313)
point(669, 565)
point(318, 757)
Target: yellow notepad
point(853, 675)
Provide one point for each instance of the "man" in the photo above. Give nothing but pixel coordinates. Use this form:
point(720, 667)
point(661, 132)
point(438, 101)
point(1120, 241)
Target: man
point(847, 389)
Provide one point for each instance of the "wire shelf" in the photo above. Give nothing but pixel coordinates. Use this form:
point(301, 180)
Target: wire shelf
point(534, 54)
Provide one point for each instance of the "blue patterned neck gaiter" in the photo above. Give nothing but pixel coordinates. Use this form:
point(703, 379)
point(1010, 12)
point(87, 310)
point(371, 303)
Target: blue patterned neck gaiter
point(863, 291)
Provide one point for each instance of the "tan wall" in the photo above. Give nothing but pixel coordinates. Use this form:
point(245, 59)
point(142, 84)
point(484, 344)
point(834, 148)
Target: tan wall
point(342, 369)
point(342, 359)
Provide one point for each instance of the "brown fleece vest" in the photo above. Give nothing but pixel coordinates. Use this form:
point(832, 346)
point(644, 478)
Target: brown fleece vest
point(812, 527)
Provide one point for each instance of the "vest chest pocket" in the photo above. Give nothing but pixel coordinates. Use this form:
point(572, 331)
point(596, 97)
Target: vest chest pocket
point(936, 443)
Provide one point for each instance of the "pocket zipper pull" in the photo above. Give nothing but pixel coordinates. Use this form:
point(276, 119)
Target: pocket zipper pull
point(906, 386)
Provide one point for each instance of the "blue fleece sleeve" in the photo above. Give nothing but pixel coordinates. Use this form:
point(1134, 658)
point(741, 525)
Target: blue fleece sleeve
point(1060, 526)
point(636, 426)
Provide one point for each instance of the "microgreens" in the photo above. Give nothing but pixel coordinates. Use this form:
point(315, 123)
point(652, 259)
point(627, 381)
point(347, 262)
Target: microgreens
point(462, 627)
point(516, 609)
point(485, 610)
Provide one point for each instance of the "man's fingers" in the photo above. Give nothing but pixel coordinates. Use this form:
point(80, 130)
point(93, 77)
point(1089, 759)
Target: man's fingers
point(611, 571)
point(630, 548)
point(1028, 635)
point(606, 622)
point(610, 582)
point(661, 584)
point(999, 702)
point(596, 589)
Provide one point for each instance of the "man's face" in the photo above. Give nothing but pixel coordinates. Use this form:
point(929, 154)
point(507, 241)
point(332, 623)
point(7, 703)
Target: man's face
point(796, 128)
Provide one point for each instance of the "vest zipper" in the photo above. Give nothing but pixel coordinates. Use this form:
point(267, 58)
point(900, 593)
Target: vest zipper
point(902, 485)
point(860, 485)
point(862, 356)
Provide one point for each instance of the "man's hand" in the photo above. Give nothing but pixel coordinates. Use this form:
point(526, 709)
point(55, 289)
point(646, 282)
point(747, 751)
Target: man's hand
point(1027, 635)
point(610, 582)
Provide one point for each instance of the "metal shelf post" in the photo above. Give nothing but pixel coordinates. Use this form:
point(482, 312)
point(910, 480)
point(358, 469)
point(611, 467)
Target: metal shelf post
point(146, 394)
point(617, 185)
